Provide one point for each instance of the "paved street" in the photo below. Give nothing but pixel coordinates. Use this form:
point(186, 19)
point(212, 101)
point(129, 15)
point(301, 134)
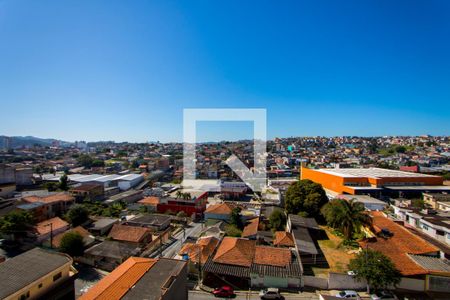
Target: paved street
point(87, 277)
point(200, 295)
point(194, 229)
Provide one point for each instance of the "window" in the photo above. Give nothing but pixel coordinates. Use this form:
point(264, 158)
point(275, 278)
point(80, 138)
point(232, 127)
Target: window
point(425, 227)
point(40, 285)
point(440, 232)
point(57, 276)
point(25, 296)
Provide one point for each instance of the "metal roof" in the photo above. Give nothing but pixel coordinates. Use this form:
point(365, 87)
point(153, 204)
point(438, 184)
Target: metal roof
point(150, 285)
point(431, 263)
point(304, 242)
point(24, 269)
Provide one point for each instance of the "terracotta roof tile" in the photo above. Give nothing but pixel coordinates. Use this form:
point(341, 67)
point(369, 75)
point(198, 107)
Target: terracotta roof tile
point(251, 228)
point(57, 238)
point(220, 209)
point(129, 233)
point(44, 227)
point(50, 199)
point(283, 238)
point(205, 246)
point(397, 247)
point(120, 281)
point(235, 251)
point(149, 201)
point(272, 256)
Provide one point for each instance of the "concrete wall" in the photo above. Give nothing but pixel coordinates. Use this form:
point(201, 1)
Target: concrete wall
point(47, 284)
point(438, 284)
point(317, 282)
point(24, 176)
point(412, 284)
point(278, 282)
point(7, 174)
point(178, 287)
point(338, 281)
point(217, 216)
point(7, 191)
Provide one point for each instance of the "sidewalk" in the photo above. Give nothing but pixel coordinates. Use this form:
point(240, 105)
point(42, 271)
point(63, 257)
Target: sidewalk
point(197, 294)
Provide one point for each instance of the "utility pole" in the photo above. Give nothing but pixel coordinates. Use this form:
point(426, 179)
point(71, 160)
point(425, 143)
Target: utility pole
point(51, 234)
point(160, 245)
point(366, 258)
point(199, 266)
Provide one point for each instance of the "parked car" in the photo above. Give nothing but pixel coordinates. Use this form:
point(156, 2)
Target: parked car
point(383, 295)
point(348, 295)
point(270, 293)
point(224, 291)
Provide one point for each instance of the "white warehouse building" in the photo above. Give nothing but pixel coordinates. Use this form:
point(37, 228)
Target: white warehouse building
point(129, 181)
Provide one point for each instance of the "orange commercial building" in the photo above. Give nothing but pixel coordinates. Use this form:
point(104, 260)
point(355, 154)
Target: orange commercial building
point(374, 181)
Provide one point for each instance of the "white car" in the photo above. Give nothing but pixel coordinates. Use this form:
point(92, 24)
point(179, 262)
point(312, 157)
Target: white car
point(270, 293)
point(348, 295)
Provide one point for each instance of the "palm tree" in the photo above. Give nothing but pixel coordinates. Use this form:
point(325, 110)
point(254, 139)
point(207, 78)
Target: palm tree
point(179, 194)
point(346, 216)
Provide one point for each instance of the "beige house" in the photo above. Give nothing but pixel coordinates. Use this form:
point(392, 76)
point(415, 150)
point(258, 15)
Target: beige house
point(37, 274)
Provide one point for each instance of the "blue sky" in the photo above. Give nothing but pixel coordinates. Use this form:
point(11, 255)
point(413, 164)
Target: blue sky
point(125, 70)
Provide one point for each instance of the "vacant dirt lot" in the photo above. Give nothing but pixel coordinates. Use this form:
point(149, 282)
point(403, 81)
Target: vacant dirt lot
point(337, 255)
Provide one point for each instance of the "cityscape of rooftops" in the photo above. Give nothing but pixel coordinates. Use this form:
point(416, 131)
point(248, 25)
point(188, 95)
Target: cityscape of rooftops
point(174, 150)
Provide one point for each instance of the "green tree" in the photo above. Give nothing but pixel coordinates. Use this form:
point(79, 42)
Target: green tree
point(418, 203)
point(143, 209)
point(77, 215)
point(72, 244)
point(232, 230)
point(376, 268)
point(63, 183)
point(98, 163)
point(400, 149)
point(181, 214)
point(305, 196)
point(51, 186)
point(135, 164)
point(277, 220)
point(85, 160)
point(346, 216)
point(446, 176)
point(16, 223)
point(235, 218)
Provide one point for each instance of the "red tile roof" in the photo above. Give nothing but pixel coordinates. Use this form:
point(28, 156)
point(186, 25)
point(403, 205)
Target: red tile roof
point(50, 199)
point(120, 281)
point(220, 209)
point(128, 233)
point(397, 247)
point(149, 201)
point(57, 238)
point(44, 226)
point(251, 228)
point(272, 256)
point(205, 246)
point(283, 238)
point(235, 251)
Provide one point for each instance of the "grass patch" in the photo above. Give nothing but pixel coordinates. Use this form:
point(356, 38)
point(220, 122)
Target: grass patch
point(337, 253)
